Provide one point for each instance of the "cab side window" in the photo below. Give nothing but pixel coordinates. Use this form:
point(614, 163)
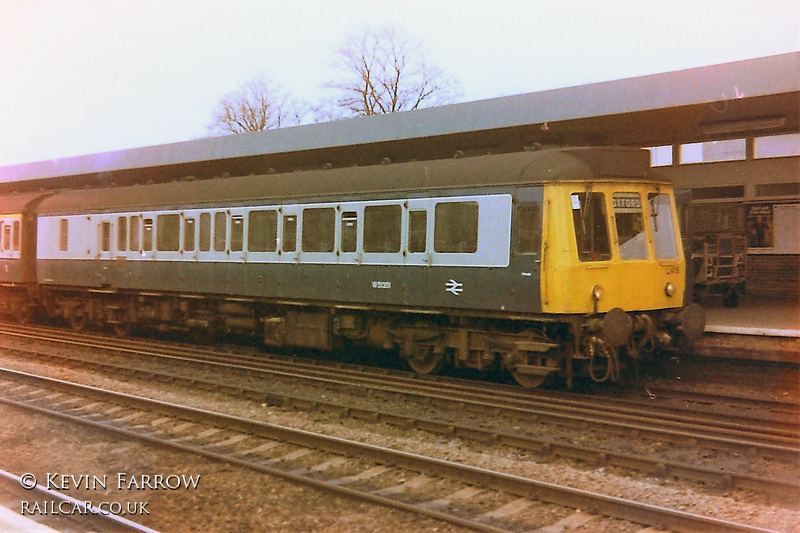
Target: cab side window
point(529, 229)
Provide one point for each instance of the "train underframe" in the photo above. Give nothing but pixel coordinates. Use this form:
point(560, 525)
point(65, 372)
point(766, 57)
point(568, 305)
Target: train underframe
point(533, 349)
point(18, 300)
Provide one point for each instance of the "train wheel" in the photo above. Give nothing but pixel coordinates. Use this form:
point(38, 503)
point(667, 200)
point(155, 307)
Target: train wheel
point(531, 380)
point(123, 329)
point(123, 324)
point(77, 319)
point(50, 306)
point(425, 360)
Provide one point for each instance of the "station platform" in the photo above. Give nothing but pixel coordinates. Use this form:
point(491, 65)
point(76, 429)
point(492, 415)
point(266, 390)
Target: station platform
point(771, 318)
point(757, 329)
point(11, 522)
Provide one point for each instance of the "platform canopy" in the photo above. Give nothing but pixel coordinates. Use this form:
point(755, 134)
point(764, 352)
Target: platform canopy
point(753, 97)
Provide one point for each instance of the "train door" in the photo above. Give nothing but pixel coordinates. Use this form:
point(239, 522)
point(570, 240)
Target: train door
point(189, 235)
point(236, 247)
point(527, 248)
point(418, 248)
point(288, 236)
point(349, 230)
point(105, 251)
point(120, 240)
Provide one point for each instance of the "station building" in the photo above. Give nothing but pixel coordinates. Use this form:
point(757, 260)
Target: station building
point(727, 135)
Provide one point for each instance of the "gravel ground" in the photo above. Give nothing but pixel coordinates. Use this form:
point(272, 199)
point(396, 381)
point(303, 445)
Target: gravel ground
point(226, 499)
point(231, 499)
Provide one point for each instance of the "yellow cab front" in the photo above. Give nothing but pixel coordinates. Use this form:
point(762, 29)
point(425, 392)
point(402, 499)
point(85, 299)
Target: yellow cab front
point(611, 244)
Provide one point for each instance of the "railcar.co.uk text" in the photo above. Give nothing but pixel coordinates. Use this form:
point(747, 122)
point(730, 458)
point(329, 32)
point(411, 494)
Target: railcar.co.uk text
point(120, 481)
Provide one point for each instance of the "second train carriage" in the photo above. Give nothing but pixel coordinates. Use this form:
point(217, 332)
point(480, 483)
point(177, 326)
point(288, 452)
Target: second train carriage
point(552, 261)
point(18, 227)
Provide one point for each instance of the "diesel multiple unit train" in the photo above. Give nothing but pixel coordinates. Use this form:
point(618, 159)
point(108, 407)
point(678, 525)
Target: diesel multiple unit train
point(559, 261)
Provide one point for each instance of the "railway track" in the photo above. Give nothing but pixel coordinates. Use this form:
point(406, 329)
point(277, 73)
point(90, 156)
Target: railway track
point(742, 411)
point(472, 497)
point(748, 438)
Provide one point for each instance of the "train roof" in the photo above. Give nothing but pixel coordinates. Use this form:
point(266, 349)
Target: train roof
point(539, 166)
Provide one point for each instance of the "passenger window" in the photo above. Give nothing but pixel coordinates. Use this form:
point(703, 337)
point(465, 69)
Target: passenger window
point(220, 231)
point(7, 237)
point(318, 229)
point(591, 226)
point(349, 231)
point(2, 239)
point(529, 229)
point(16, 235)
point(63, 238)
point(205, 232)
point(105, 236)
point(382, 228)
point(630, 225)
point(417, 231)
point(134, 233)
point(188, 234)
point(237, 233)
point(289, 233)
point(456, 227)
point(168, 233)
point(663, 226)
point(147, 234)
point(122, 233)
point(262, 231)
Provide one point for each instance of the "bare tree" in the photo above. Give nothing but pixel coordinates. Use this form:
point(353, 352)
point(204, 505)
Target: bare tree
point(385, 72)
point(259, 104)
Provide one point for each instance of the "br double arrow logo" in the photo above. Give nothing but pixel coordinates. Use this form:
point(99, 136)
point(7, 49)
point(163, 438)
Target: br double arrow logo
point(454, 287)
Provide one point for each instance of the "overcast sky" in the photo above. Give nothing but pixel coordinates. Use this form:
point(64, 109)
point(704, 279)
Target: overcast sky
point(88, 76)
